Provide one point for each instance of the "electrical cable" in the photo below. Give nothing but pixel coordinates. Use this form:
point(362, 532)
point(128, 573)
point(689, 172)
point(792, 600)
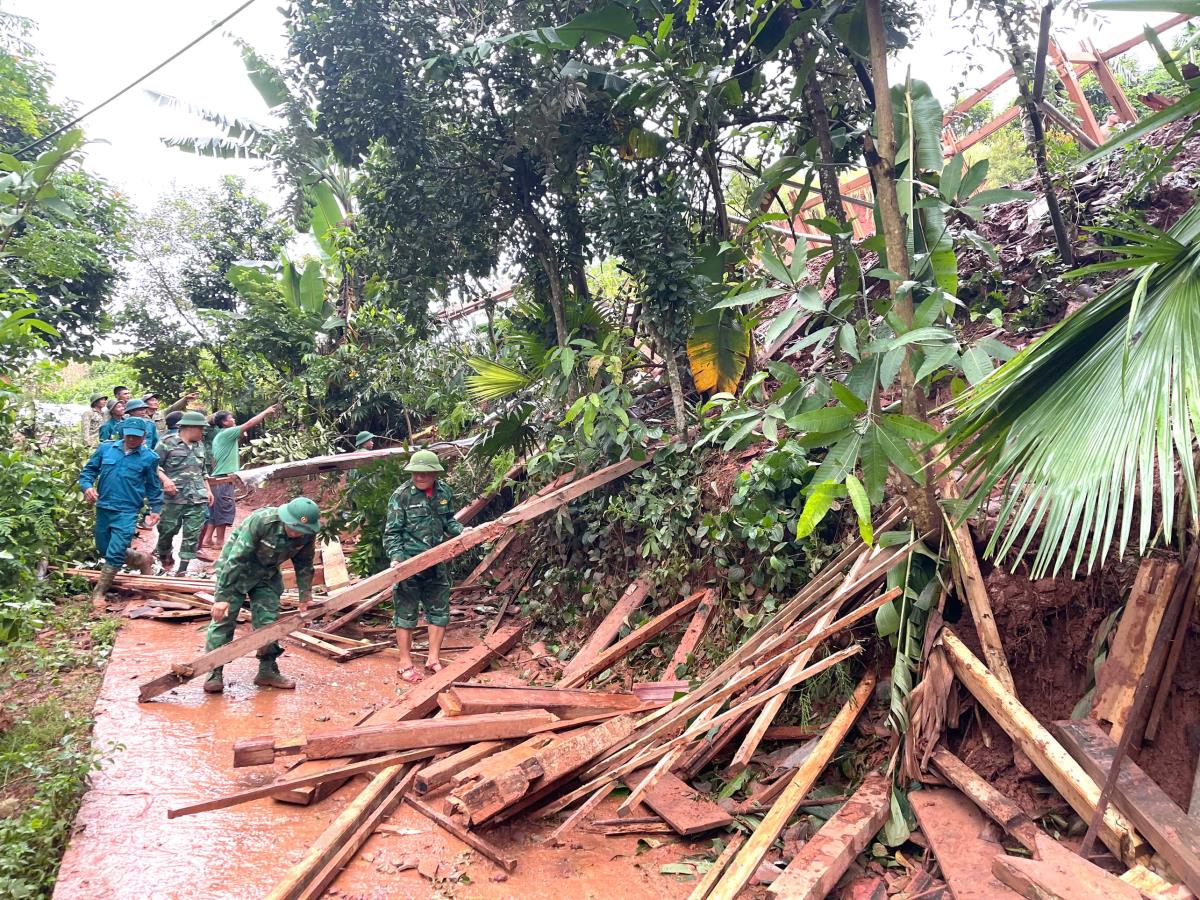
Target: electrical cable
point(99, 106)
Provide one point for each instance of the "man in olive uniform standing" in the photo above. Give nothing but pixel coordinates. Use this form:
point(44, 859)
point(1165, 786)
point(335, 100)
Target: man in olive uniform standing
point(182, 460)
point(119, 477)
point(249, 568)
point(95, 418)
point(420, 516)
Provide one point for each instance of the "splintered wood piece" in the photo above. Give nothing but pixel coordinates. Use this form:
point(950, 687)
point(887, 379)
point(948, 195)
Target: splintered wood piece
point(999, 808)
point(507, 863)
point(366, 767)
point(338, 843)
point(461, 699)
point(738, 875)
point(953, 826)
point(1166, 680)
point(700, 892)
point(825, 856)
point(695, 631)
point(441, 771)
point(679, 805)
point(1117, 678)
point(336, 573)
point(397, 736)
point(633, 828)
point(1060, 875)
point(418, 702)
point(634, 639)
point(573, 820)
point(606, 631)
point(1051, 759)
point(648, 691)
point(492, 765)
point(1165, 825)
point(482, 800)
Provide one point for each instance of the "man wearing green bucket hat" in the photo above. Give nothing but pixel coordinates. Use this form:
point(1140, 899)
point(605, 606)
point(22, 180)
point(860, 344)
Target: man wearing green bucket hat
point(249, 568)
point(95, 418)
point(364, 440)
point(182, 460)
point(420, 516)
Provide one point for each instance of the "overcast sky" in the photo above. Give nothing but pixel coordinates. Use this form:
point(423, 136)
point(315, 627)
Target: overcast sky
point(95, 48)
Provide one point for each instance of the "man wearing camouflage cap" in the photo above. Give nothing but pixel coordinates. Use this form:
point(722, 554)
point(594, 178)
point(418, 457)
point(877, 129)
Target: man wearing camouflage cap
point(420, 516)
point(249, 568)
point(182, 460)
point(364, 440)
point(119, 477)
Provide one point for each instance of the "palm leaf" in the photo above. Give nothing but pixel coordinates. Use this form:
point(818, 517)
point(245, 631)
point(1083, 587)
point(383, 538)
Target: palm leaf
point(493, 380)
point(718, 351)
point(1084, 425)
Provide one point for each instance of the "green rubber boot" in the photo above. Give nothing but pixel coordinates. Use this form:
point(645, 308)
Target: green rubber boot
point(100, 591)
point(216, 682)
point(270, 676)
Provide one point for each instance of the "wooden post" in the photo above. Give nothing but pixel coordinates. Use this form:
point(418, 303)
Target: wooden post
point(1112, 88)
point(1070, 81)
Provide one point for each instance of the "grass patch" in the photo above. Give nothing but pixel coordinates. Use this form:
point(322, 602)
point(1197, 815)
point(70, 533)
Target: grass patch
point(48, 687)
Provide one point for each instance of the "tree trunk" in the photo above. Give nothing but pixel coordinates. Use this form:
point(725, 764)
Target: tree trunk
point(713, 170)
point(881, 160)
point(672, 364)
point(827, 172)
point(543, 249)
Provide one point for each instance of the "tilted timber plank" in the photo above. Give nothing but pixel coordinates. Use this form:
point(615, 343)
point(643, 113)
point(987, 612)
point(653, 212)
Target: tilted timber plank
point(695, 631)
point(1060, 874)
point(1165, 825)
point(952, 824)
point(680, 805)
point(469, 699)
point(376, 585)
point(999, 808)
point(824, 858)
point(418, 702)
point(441, 771)
point(606, 632)
point(471, 840)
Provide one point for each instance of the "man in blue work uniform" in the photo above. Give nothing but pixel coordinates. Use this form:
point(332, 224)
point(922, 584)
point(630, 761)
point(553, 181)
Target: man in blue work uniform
point(138, 409)
point(119, 478)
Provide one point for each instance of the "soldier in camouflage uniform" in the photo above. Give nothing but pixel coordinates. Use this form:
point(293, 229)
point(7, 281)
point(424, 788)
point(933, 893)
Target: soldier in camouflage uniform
point(420, 516)
point(249, 567)
point(183, 461)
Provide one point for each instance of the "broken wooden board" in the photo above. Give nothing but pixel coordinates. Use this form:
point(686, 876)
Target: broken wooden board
point(334, 560)
point(1165, 825)
point(634, 639)
point(391, 738)
point(995, 805)
point(666, 691)
point(491, 766)
point(441, 771)
point(471, 699)
point(369, 591)
point(695, 631)
point(507, 863)
point(1051, 759)
point(606, 632)
point(418, 702)
point(1060, 875)
point(1117, 678)
point(679, 804)
point(824, 858)
point(953, 825)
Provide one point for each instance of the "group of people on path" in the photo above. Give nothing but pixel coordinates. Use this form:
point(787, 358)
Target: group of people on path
point(189, 476)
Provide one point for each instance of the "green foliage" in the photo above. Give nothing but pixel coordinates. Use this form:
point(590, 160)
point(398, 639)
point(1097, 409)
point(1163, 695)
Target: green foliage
point(78, 383)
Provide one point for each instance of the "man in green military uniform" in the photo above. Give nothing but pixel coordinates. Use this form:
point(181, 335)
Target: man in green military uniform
point(249, 567)
point(420, 516)
point(182, 462)
point(364, 440)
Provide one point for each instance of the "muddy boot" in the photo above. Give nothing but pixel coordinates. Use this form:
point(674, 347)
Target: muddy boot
point(100, 591)
point(166, 562)
point(143, 562)
point(215, 683)
point(270, 676)
point(182, 570)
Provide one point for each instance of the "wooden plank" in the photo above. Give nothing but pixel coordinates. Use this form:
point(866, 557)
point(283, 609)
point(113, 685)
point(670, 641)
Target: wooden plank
point(374, 587)
point(1167, 678)
point(472, 699)
point(483, 799)
point(999, 808)
point(365, 767)
point(467, 514)
point(1111, 87)
point(507, 863)
point(953, 825)
point(1066, 72)
point(493, 765)
point(556, 837)
point(695, 631)
point(1117, 678)
point(336, 573)
point(393, 737)
point(679, 805)
point(342, 838)
point(442, 770)
point(635, 639)
point(737, 876)
point(1080, 791)
point(1060, 875)
point(724, 858)
point(660, 690)
point(1165, 825)
point(418, 702)
point(606, 632)
point(790, 733)
point(824, 858)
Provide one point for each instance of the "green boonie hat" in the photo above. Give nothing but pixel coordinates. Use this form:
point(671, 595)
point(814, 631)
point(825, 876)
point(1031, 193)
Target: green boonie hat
point(301, 515)
point(362, 437)
point(191, 417)
point(147, 397)
point(96, 397)
point(424, 461)
point(111, 403)
point(134, 425)
point(133, 404)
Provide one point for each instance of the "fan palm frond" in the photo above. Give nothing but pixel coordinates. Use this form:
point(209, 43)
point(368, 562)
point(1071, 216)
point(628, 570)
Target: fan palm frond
point(1085, 423)
point(493, 380)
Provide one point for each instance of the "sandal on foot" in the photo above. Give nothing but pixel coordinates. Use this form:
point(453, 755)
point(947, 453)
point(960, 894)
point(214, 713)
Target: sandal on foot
point(410, 675)
point(435, 667)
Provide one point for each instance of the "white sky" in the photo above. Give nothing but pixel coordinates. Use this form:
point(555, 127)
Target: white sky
point(95, 48)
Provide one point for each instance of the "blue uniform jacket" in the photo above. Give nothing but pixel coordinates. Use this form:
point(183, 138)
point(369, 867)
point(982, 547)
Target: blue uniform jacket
point(123, 479)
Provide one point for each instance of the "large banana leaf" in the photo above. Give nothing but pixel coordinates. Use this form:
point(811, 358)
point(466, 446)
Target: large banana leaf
point(327, 214)
point(1085, 425)
point(718, 350)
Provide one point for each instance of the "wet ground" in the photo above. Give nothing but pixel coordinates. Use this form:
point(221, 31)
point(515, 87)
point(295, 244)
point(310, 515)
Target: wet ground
point(178, 749)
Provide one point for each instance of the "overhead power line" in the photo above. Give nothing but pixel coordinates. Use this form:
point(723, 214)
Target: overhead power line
point(99, 106)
